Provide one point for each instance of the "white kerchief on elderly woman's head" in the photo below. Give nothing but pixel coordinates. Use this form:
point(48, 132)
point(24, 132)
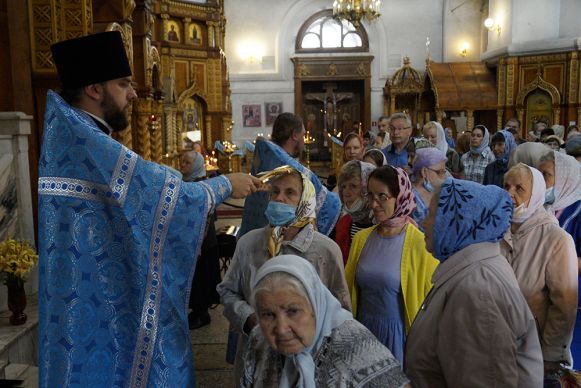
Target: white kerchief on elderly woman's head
point(567, 181)
point(537, 199)
point(441, 142)
point(328, 311)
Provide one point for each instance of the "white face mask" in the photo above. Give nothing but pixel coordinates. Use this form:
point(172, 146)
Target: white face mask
point(519, 211)
point(356, 206)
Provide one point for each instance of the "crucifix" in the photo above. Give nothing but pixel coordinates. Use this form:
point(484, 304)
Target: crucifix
point(329, 99)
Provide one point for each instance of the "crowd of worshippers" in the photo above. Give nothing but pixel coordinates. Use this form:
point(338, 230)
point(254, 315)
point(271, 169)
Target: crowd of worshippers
point(446, 265)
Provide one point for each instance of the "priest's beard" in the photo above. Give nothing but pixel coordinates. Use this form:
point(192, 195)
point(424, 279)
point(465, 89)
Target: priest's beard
point(115, 117)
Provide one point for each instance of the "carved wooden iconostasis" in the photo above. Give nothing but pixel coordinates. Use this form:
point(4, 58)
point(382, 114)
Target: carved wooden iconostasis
point(540, 87)
point(175, 50)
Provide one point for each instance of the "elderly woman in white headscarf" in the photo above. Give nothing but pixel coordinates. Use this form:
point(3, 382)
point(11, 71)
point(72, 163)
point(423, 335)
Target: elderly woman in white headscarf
point(543, 258)
point(291, 216)
point(434, 132)
point(306, 339)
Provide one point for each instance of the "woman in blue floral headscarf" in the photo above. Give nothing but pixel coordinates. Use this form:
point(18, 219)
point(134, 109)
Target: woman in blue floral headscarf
point(474, 328)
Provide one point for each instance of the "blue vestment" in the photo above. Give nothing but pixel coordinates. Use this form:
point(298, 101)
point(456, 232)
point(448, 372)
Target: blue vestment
point(268, 156)
point(118, 241)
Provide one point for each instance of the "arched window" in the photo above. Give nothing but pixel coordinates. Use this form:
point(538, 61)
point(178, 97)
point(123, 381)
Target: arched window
point(323, 33)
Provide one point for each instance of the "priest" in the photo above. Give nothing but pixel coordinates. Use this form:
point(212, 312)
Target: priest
point(118, 235)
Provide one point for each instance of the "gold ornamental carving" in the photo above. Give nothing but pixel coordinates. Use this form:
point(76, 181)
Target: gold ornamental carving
point(361, 70)
point(539, 83)
point(543, 58)
point(501, 83)
point(127, 36)
point(573, 78)
point(142, 138)
point(52, 21)
point(332, 70)
point(510, 70)
point(303, 70)
point(499, 113)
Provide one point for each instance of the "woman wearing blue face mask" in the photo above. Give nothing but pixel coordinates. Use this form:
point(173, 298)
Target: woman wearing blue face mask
point(429, 170)
point(291, 230)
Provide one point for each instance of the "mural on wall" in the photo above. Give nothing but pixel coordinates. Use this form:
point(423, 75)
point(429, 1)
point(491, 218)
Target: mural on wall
point(272, 110)
point(8, 201)
point(251, 116)
point(172, 31)
point(194, 35)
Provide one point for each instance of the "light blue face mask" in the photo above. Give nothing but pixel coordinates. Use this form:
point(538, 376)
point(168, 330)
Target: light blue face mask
point(550, 195)
point(279, 214)
point(428, 186)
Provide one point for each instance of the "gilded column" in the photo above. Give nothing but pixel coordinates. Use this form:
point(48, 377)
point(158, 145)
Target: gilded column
point(391, 104)
point(168, 130)
point(179, 125)
point(521, 114)
point(208, 132)
point(439, 116)
point(499, 113)
point(578, 115)
point(155, 134)
point(469, 119)
point(556, 115)
point(142, 139)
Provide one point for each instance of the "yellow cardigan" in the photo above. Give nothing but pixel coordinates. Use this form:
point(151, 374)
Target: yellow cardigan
point(417, 267)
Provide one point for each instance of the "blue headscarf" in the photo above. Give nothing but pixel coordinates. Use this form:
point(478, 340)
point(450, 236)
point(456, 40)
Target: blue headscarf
point(485, 141)
point(469, 213)
point(509, 145)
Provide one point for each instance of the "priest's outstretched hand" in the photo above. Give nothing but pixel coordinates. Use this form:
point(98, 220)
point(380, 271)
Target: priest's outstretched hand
point(243, 184)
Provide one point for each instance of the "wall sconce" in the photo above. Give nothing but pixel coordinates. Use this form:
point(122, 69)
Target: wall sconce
point(464, 50)
point(491, 25)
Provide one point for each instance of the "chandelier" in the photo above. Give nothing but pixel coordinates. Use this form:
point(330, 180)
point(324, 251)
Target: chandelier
point(355, 10)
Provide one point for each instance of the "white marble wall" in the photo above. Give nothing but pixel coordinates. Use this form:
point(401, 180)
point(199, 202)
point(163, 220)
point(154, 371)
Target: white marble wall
point(15, 197)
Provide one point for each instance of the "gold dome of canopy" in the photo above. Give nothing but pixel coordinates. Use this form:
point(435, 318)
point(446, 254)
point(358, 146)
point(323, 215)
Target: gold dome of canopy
point(406, 80)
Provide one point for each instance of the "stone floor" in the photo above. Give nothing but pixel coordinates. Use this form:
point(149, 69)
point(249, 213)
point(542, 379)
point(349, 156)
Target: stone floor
point(209, 348)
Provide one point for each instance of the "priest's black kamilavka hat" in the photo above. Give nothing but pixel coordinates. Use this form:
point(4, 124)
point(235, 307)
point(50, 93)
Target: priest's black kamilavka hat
point(91, 59)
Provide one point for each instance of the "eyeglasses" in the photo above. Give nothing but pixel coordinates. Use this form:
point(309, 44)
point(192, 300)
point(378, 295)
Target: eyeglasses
point(394, 129)
point(441, 173)
point(380, 198)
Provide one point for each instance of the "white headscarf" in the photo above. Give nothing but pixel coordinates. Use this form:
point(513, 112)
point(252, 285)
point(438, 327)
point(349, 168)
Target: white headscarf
point(328, 315)
point(529, 154)
point(567, 181)
point(537, 199)
point(441, 142)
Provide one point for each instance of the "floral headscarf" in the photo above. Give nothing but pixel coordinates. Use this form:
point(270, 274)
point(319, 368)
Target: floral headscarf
point(305, 213)
point(363, 214)
point(405, 202)
point(328, 315)
point(469, 213)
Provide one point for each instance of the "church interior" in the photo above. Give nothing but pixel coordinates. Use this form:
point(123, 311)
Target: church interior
point(218, 72)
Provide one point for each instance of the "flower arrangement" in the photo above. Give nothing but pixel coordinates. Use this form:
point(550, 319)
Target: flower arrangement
point(17, 258)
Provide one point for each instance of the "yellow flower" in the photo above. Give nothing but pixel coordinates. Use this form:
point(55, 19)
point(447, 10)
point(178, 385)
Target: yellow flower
point(17, 257)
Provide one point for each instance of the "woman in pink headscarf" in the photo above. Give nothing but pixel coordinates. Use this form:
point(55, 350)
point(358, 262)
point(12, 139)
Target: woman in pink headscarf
point(389, 270)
